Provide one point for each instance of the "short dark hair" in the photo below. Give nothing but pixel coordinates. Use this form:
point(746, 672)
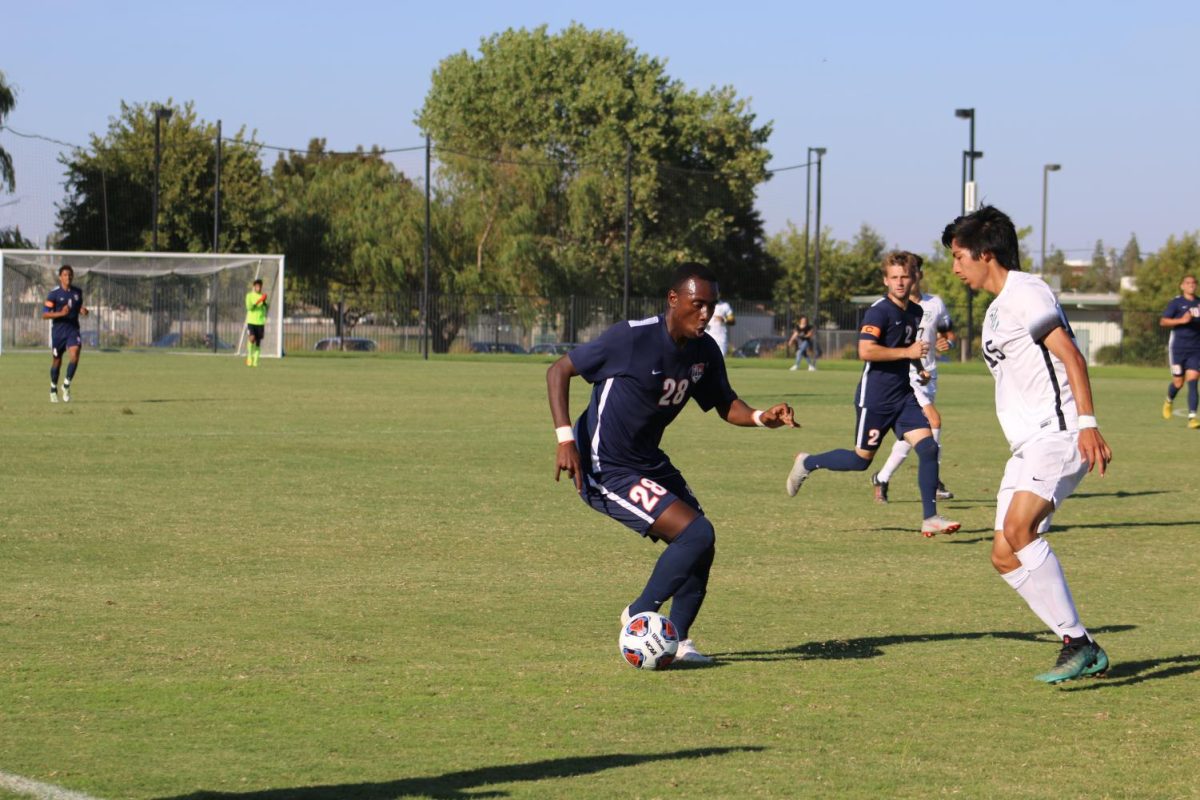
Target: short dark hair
point(691, 269)
point(902, 258)
point(988, 230)
point(257, 282)
point(66, 268)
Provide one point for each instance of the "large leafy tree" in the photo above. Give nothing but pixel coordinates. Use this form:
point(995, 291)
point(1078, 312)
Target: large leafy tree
point(7, 101)
point(346, 220)
point(848, 268)
point(110, 186)
point(534, 136)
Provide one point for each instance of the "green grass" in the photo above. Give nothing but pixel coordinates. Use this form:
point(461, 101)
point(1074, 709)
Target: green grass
point(359, 574)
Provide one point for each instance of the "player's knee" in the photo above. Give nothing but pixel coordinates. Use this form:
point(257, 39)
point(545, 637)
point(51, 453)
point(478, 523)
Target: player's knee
point(926, 448)
point(700, 533)
point(1004, 561)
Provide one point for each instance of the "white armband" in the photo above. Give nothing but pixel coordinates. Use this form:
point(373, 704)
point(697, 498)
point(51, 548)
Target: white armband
point(564, 434)
point(757, 415)
point(1087, 421)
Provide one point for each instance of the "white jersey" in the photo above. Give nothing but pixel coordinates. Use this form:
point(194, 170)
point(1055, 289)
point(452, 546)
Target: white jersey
point(1032, 393)
point(935, 319)
point(717, 328)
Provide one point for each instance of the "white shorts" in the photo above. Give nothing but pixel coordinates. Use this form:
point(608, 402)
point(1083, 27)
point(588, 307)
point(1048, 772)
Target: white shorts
point(926, 393)
point(1049, 466)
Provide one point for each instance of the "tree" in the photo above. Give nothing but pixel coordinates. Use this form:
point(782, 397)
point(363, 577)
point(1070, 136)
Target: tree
point(11, 238)
point(1130, 258)
point(345, 220)
point(7, 101)
point(1158, 280)
point(534, 137)
point(110, 187)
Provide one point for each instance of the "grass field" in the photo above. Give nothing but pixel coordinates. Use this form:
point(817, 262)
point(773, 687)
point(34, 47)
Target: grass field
point(356, 578)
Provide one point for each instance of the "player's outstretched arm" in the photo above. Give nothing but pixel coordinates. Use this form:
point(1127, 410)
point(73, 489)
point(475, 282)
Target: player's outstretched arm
point(1092, 446)
point(558, 387)
point(874, 351)
point(738, 413)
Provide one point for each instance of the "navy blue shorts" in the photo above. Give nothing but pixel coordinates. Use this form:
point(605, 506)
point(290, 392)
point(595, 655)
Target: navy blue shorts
point(1183, 360)
point(872, 423)
point(62, 341)
point(634, 500)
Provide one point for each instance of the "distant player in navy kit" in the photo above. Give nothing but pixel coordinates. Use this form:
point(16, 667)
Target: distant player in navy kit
point(64, 305)
point(643, 373)
point(884, 401)
point(1182, 316)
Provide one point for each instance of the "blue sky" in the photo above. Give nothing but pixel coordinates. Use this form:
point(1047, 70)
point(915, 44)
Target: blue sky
point(1106, 89)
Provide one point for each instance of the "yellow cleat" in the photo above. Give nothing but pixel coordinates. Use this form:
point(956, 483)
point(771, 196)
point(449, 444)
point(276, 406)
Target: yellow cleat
point(1166, 409)
point(1193, 423)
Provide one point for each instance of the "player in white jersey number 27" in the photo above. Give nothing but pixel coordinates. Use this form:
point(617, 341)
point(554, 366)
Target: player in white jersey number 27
point(1044, 402)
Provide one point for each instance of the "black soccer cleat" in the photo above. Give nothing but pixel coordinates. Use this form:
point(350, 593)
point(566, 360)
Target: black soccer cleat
point(880, 489)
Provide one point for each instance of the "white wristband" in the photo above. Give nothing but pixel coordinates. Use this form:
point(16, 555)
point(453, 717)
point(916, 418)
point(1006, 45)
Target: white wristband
point(757, 415)
point(564, 434)
point(1087, 421)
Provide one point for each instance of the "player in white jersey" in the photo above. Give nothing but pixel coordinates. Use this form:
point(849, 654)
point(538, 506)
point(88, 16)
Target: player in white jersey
point(1044, 402)
point(936, 331)
point(720, 323)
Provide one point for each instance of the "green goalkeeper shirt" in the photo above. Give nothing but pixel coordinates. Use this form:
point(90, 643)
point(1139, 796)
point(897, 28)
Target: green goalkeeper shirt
point(256, 308)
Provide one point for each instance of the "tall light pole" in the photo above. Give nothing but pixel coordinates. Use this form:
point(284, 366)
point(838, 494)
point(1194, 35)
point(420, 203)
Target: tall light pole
point(160, 114)
point(1046, 170)
point(816, 319)
point(968, 176)
point(808, 200)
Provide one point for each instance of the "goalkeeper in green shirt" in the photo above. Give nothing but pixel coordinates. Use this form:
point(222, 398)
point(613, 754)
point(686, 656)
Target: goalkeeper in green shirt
point(256, 322)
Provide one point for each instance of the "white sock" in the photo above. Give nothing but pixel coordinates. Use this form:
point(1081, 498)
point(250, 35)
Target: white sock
point(937, 439)
point(899, 453)
point(1046, 591)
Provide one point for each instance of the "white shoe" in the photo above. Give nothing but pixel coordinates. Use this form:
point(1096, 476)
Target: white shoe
point(54, 397)
point(66, 395)
point(688, 654)
point(938, 524)
point(793, 367)
point(625, 615)
point(796, 477)
point(812, 368)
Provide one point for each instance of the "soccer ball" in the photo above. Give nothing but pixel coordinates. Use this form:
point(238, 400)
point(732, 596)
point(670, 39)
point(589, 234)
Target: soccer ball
point(649, 641)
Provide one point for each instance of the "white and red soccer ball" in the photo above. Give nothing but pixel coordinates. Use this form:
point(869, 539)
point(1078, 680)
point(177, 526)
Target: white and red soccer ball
point(649, 641)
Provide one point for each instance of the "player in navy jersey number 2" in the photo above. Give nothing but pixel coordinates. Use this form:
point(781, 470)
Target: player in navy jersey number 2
point(643, 372)
point(64, 305)
point(885, 400)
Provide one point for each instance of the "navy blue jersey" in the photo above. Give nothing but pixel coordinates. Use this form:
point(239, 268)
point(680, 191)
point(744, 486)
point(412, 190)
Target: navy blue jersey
point(1184, 338)
point(642, 380)
point(61, 298)
point(885, 383)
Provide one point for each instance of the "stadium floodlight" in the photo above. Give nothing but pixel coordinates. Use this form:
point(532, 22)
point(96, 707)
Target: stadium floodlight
point(163, 302)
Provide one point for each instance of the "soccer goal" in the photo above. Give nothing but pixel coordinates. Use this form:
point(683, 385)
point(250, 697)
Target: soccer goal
point(155, 302)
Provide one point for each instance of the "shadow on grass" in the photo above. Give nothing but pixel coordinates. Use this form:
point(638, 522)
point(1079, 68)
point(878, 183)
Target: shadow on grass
point(872, 646)
point(462, 785)
point(1131, 672)
point(1120, 494)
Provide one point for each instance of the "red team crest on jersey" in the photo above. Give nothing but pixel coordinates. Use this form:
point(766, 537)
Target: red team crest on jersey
point(697, 373)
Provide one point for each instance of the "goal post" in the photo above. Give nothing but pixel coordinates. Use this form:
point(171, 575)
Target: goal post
point(153, 302)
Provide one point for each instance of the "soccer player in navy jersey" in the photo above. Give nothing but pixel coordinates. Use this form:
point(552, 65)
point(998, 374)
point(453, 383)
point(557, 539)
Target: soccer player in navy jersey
point(643, 372)
point(64, 305)
point(884, 401)
point(1182, 316)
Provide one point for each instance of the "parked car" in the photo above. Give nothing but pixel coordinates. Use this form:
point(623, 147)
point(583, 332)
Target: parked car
point(175, 339)
point(347, 344)
point(497, 347)
point(552, 348)
point(760, 347)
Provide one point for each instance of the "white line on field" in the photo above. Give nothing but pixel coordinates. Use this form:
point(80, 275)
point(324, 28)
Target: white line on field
point(42, 791)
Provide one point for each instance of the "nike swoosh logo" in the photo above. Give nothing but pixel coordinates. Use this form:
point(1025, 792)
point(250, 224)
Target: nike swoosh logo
point(656, 372)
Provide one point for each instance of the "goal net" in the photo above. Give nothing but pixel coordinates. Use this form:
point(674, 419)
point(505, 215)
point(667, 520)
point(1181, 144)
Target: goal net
point(156, 302)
